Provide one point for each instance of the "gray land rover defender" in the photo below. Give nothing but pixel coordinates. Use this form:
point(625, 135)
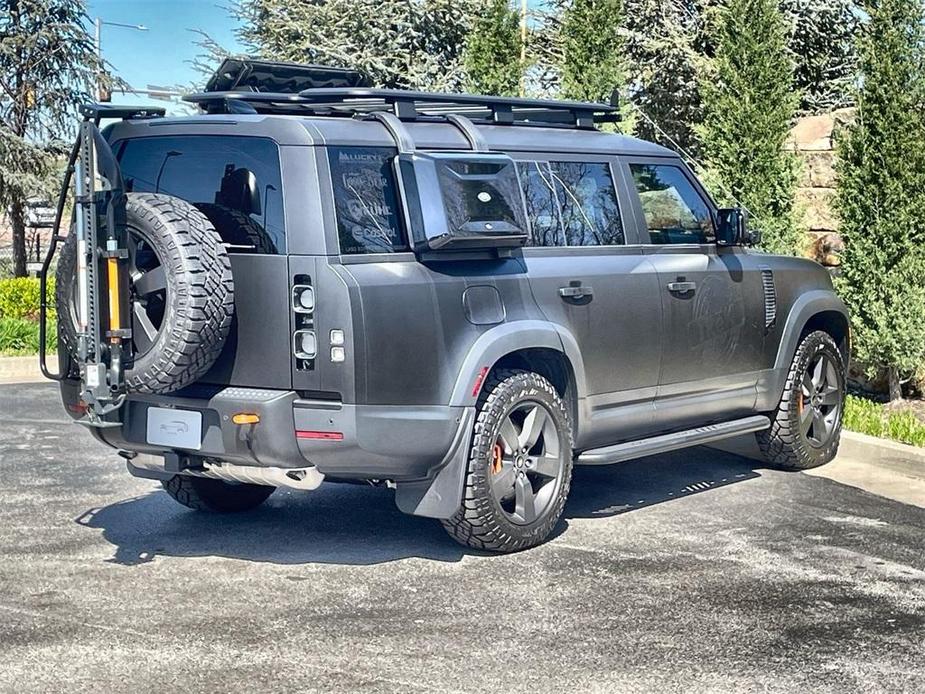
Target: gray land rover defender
point(460, 297)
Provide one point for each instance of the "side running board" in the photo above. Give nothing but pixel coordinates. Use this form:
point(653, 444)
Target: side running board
point(672, 442)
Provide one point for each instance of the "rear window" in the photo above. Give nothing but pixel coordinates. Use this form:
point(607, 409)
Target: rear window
point(234, 181)
point(365, 199)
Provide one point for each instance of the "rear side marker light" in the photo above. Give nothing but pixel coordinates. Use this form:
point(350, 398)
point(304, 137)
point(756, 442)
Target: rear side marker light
point(320, 435)
point(337, 338)
point(245, 418)
point(338, 354)
point(477, 386)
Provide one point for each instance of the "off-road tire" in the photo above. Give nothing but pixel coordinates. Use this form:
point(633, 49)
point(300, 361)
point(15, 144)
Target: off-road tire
point(237, 228)
point(783, 446)
point(205, 494)
point(480, 522)
point(200, 293)
point(65, 284)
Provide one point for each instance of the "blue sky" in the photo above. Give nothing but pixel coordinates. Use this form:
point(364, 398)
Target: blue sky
point(160, 55)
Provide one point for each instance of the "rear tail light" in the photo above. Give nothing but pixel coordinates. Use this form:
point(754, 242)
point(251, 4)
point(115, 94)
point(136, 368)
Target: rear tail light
point(304, 345)
point(304, 341)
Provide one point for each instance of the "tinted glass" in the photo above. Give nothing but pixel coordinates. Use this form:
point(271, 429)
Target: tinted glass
point(476, 194)
point(234, 181)
point(588, 203)
point(365, 199)
point(675, 212)
point(542, 207)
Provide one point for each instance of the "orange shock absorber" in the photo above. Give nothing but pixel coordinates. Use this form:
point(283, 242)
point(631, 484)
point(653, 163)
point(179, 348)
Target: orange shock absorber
point(112, 267)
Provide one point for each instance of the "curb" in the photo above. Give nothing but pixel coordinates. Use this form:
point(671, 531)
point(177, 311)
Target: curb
point(20, 369)
point(881, 453)
point(898, 457)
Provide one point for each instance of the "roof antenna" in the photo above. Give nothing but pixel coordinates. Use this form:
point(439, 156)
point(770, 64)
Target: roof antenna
point(614, 98)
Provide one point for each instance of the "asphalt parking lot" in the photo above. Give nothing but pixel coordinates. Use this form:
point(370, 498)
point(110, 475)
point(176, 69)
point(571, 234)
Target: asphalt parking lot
point(690, 572)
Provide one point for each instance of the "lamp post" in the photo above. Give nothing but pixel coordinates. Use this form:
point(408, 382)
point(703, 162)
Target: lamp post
point(104, 94)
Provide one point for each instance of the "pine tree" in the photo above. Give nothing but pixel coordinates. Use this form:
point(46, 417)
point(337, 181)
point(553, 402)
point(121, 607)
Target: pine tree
point(48, 66)
point(666, 46)
point(748, 107)
point(881, 195)
point(588, 48)
point(491, 58)
point(822, 41)
point(415, 44)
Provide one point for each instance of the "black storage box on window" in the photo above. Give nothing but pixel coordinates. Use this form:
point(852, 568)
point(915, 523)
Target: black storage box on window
point(462, 201)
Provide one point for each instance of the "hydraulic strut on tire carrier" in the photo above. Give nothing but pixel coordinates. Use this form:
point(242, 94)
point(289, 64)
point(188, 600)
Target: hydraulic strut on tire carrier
point(104, 345)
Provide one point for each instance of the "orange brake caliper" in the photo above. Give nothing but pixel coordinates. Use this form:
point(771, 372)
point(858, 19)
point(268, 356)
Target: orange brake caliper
point(496, 459)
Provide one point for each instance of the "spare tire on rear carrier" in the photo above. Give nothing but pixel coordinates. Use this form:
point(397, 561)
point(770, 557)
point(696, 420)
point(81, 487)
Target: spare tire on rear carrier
point(181, 292)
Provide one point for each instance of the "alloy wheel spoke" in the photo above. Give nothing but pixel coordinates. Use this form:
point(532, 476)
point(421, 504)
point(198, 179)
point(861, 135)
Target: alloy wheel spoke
point(151, 281)
point(533, 427)
point(818, 373)
point(509, 435)
point(546, 465)
point(144, 331)
point(831, 397)
point(524, 499)
point(806, 419)
point(502, 482)
point(808, 387)
point(819, 426)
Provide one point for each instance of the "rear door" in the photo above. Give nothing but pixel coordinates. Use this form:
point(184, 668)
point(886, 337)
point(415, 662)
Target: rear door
point(235, 182)
point(589, 277)
point(712, 299)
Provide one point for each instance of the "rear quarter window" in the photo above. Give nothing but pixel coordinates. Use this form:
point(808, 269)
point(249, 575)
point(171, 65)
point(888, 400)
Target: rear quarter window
point(234, 181)
point(365, 200)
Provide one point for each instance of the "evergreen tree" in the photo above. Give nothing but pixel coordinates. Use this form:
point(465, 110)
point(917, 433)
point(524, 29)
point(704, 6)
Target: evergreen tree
point(492, 54)
point(586, 48)
point(666, 46)
point(47, 67)
point(822, 41)
point(415, 44)
point(748, 107)
point(881, 195)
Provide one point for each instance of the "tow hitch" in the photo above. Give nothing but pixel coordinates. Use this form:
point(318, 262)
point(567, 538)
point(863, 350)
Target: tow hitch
point(104, 344)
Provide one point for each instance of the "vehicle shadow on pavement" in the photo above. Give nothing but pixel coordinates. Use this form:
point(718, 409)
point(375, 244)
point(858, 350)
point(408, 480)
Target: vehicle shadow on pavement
point(609, 490)
point(358, 525)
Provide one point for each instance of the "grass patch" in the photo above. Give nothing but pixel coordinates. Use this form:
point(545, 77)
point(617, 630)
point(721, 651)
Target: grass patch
point(868, 417)
point(19, 337)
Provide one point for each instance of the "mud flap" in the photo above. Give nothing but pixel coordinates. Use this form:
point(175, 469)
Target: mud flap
point(441, 495)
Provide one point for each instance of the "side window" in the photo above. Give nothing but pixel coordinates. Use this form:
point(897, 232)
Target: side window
point(588, 201)
point(365, 199)
point(542, 207)
point(675, 212)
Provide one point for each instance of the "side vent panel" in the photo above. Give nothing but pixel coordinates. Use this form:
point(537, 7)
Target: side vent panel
point(770, 297)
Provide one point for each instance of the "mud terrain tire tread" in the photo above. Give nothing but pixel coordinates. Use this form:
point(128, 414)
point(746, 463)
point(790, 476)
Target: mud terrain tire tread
point(216, 496)
point(782, 445)
point(479, 522)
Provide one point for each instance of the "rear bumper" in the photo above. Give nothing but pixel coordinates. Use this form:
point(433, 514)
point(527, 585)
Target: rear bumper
point(398, 443)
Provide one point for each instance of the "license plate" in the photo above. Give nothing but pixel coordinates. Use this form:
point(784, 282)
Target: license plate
point(174, 428)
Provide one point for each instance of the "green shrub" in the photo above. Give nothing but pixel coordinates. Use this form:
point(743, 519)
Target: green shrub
point(20, 337)
point(19, 298)
point(868, 417)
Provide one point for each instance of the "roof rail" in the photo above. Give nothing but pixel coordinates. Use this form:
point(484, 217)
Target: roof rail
point(410, 105)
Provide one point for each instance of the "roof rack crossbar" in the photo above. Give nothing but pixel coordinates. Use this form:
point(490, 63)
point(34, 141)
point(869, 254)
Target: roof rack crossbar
point(412, 105)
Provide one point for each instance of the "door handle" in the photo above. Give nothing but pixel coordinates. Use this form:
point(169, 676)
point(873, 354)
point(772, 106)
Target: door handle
point(682, 287)
point(575, 292)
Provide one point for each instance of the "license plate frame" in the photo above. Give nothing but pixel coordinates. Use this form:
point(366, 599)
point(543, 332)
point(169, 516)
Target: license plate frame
point(174, 428)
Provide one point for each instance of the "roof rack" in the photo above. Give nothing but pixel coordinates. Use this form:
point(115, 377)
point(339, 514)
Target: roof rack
point(278, 77)
point(409, 106)
point(97, 112)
